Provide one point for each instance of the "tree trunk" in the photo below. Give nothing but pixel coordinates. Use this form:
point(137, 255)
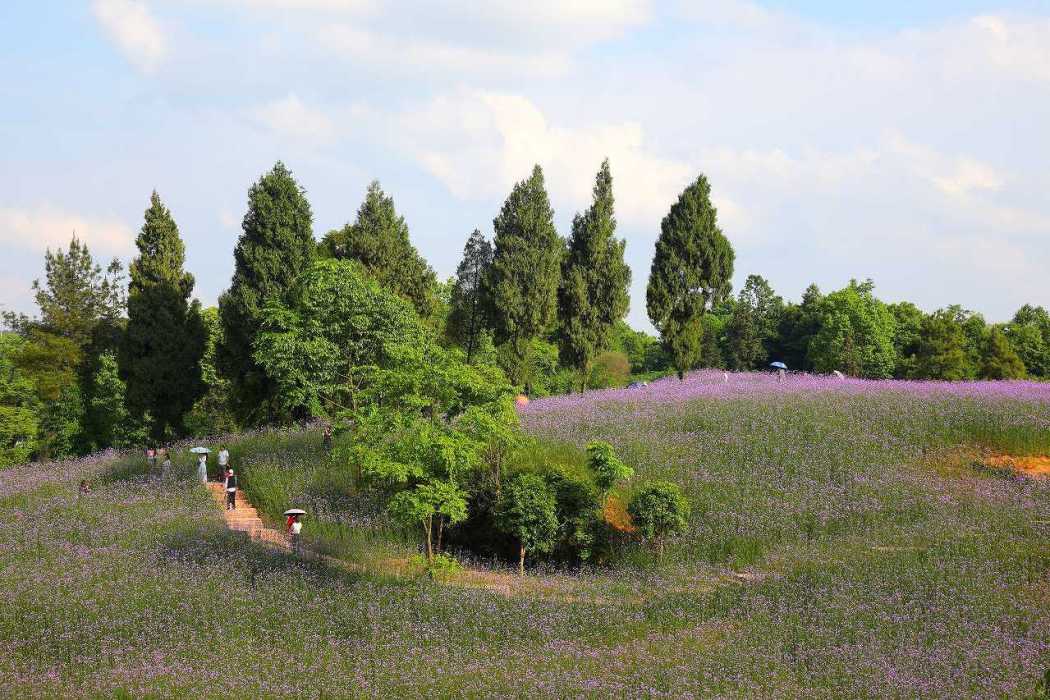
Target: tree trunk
point(427, 528)
point(441, 527)
point(521, 561)
point(660, 548)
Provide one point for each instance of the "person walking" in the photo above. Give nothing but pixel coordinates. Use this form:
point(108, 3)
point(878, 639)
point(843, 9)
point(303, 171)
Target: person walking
point(231, 489)
point(202, 468)
point(294, 526)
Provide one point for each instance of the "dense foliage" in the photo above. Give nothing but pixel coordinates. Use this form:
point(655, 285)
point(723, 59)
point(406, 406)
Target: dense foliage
point(691, 270)
point(275, 247)
point(165, 337)
point(294, 340)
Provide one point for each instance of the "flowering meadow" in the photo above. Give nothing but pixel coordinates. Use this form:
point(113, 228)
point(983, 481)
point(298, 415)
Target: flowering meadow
point(846, 539)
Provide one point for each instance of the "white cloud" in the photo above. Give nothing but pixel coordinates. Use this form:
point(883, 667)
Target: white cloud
point(291, 117)
point(44, 227)
point(423, 55)
point(135, 31)
point(480, 143)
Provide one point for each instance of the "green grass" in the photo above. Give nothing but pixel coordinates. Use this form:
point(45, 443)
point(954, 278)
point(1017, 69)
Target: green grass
point(827, 556)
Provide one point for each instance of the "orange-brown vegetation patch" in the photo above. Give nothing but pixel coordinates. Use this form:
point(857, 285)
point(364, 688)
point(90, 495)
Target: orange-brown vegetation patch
point(1033, 465)
point(615, 513)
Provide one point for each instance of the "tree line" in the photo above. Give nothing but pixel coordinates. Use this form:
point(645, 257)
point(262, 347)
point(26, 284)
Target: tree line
point(120, 360)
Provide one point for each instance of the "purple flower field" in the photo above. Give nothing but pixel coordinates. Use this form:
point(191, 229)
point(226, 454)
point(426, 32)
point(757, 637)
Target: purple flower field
point(846, 540)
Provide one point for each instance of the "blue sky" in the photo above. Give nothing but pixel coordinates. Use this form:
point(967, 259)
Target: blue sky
point(900, 141)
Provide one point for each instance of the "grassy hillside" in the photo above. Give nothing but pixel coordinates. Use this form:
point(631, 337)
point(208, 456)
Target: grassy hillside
point(845, 541)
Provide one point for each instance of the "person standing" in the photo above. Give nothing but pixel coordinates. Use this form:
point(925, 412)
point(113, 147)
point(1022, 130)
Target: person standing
point(231, 489)
point(224, 460)
point(327, 438)
point(202, 468)
point(294, 526)
point(165, 467)
point(151, 458)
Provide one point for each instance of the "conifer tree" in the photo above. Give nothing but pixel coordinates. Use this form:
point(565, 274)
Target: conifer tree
point(522, 285)
point(593, 293)
point(275, 246)
point(1000, 361)
point(691, 271)
point(378, 239)
point(160, 353)
point(467, 319)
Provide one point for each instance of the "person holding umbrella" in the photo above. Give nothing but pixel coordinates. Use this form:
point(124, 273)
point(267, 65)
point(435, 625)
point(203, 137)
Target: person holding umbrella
point(294, 527)
point(202, 463)
point(781, 368)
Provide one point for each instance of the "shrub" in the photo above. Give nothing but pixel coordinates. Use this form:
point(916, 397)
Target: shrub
point(528, 513)
point(658, 510)
point(606, 467)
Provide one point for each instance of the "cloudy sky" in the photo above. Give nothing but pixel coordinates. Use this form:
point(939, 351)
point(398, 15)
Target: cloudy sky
point(903, 141)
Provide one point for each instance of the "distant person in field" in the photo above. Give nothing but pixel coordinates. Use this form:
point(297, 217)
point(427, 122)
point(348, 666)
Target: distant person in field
point(85, 487)
point(151, 458)
point(202, 468)
point(224, 461)
point(231, 489)
point(165, 467)
point(327, 438)
point(294, 526)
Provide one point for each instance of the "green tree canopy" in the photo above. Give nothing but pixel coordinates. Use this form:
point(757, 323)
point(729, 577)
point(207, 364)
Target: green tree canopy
point(76, 295)
point(942, 352)
point(999, 360)
point(659, 510)
point(856, 334)
point(751, 333)
point(691, 271)
point(379, 240)
point(161, 350)
point(19, 405)
point(523, 281)
point(334, 319)
point(798, 324)
point(606, 468)
point(593, 294)
point(528, 513)
point(275, 247)
point(467, 319)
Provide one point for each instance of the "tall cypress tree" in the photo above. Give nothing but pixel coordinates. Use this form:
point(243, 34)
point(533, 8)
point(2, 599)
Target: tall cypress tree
point(691, 271)
point(378, 239)
point(467, 319)
point(275, 246)
point(160, 354)
point(594, 280)
point(522, 285)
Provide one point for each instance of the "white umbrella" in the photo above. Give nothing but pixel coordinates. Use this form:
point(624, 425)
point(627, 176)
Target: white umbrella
point(200, 450)
point(294, 511)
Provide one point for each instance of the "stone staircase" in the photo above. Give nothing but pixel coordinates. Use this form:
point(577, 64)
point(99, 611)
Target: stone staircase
point(244, 518)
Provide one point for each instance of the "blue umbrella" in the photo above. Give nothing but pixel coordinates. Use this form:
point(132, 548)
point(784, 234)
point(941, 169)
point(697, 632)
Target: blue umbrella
point(778, 365)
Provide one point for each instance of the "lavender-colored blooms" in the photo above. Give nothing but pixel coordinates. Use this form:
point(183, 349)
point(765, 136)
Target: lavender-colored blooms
point(845, 542)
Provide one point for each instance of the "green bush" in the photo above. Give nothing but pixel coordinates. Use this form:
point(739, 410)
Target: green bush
point(659, 510)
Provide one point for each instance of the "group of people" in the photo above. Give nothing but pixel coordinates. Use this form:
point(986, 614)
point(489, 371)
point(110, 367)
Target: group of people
point(293, 525)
